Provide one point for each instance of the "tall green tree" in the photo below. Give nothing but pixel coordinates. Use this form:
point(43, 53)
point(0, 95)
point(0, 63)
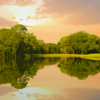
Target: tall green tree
point(64, 44)
point(19, 28)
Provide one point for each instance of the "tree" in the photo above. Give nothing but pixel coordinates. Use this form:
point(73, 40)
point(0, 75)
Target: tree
point(78, 42)
point(19, 28)
point(93, 45)
point(40, 44)
point(50, 48)
point(30, 43)
point(64, 44)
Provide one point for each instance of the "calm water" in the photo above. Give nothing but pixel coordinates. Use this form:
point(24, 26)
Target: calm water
point(50, 79)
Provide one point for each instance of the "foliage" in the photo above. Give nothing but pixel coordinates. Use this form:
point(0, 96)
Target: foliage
point(16, 42)
point(18, 72)
point(79, 43)
point(80, 68)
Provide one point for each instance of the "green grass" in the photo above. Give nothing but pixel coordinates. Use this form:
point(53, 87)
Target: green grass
point(66, 55)
point(87, 56)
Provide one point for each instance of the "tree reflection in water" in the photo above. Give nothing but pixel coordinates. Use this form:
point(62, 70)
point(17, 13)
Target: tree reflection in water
point(18, 72)
point(80, 68)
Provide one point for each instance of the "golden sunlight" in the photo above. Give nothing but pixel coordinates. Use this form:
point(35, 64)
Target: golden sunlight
point(32, 22)
point(22, 15)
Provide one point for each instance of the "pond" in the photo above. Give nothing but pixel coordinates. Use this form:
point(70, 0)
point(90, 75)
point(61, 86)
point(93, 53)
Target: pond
point(49, 79)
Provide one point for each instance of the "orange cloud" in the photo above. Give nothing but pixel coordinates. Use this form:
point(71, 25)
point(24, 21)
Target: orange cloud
point(6, 23)
point(82, 93)
point(17, 2)
point(6, 2)
point(28, 17)
point(20, 19)
point(13, 18)
point(49, 97)
point(78, 12)
point(24, 2)
point(5, 90)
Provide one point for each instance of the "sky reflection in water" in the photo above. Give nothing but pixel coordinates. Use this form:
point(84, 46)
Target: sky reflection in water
point(53, 80)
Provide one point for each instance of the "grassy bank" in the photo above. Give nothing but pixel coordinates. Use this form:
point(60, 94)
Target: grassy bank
point(68, 55)
point(55, 55)
point(87, 56)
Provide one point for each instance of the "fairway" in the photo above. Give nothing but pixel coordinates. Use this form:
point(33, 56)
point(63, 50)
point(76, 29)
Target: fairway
point(87, 56)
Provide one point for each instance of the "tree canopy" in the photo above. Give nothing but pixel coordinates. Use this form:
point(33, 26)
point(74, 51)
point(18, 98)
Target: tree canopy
point(79, 43)
point(17, 42)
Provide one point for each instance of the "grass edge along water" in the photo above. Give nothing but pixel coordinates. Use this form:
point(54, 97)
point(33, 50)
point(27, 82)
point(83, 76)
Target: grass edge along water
point(87, 56)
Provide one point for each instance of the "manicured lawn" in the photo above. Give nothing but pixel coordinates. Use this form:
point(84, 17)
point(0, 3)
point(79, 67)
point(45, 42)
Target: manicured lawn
point(86, 56)
point(68, 55)
point(55, 55)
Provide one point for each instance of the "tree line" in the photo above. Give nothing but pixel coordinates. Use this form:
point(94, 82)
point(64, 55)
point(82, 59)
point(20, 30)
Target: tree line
point(80, 43)
point(18, 42)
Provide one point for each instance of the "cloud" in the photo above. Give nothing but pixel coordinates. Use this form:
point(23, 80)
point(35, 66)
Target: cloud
point(78, 12)
point(6, 2)
point(87, 18)
point(17, 2)
point(24, 2)
point(83, 93)
point(37, 17)
point(5, 90)
point(49, 97)
point(5, 22)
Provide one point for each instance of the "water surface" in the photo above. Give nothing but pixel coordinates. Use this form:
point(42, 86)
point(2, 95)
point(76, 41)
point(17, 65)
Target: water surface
point(49, 79)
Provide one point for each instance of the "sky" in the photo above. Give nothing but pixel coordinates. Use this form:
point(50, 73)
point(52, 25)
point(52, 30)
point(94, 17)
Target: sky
point(50, 20)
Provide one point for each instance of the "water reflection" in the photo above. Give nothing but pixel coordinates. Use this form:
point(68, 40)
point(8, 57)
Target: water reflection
point(80, 68)
point(41, 79)
point(18, 72)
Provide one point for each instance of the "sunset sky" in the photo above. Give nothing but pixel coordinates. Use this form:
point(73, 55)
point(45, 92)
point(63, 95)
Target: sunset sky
point(49, 20)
